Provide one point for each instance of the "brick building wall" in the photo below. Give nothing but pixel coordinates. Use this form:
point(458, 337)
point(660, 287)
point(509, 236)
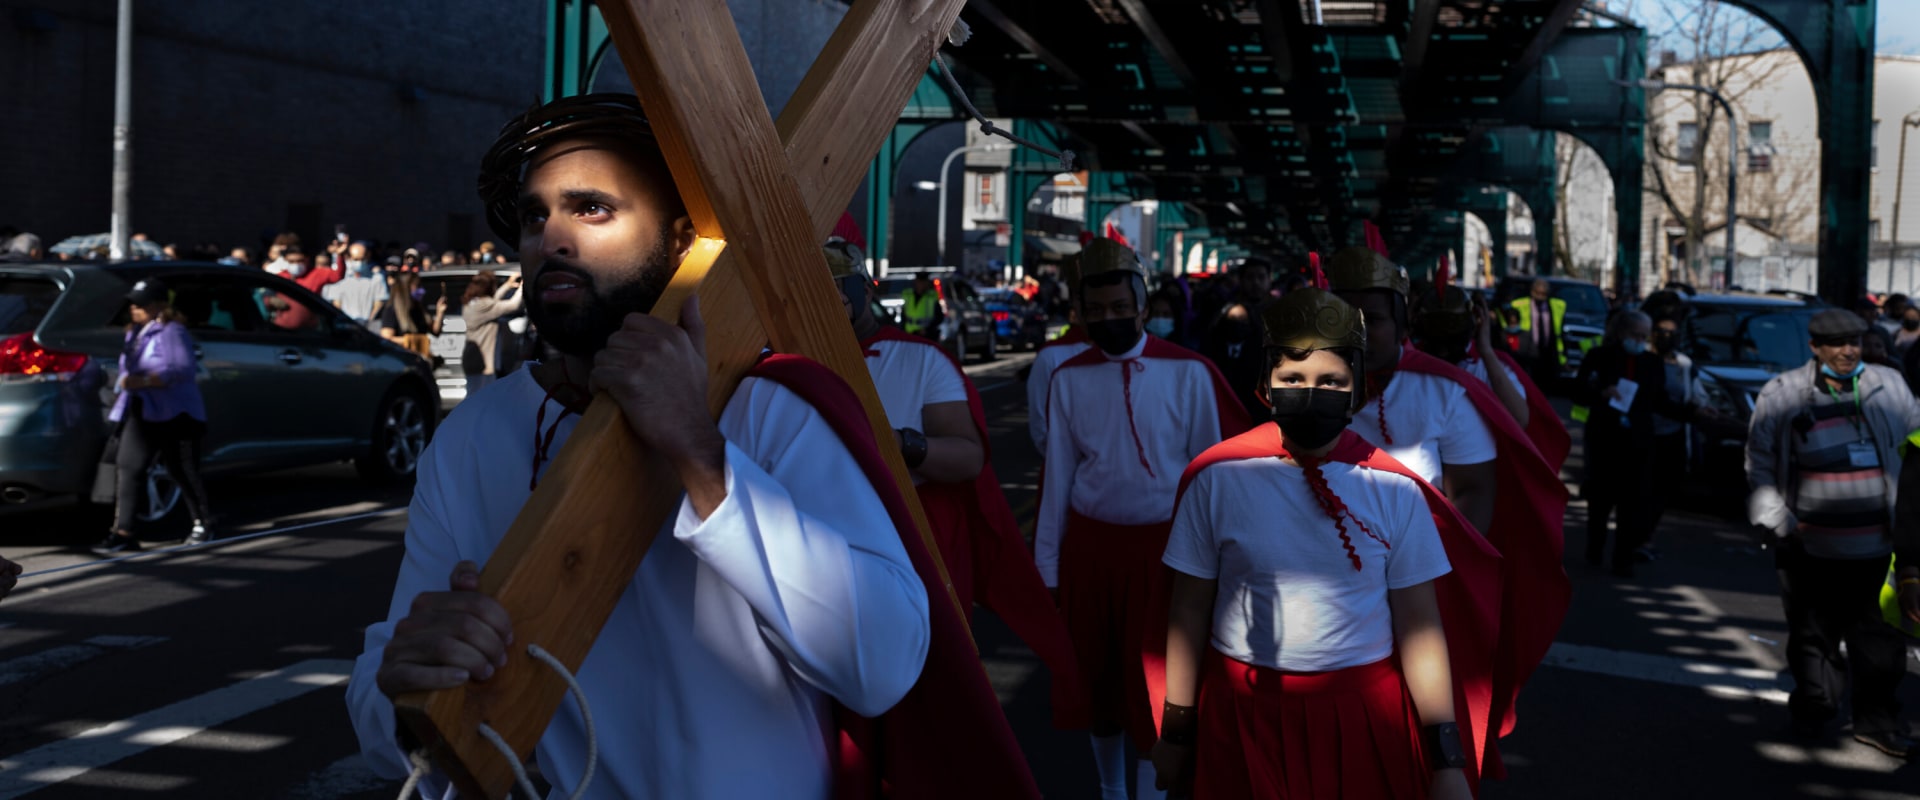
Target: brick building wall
point(251, 117)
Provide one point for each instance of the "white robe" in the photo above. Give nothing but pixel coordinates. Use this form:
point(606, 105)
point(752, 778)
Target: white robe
point(1093, 462)
point(1039, 379)
point(714, 676)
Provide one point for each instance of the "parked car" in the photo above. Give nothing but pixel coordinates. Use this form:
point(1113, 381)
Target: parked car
point(276, 397)
point(1586, 319)
point(1738, 343)
point(449, 348)
point(968, 326)
point(1016, 321)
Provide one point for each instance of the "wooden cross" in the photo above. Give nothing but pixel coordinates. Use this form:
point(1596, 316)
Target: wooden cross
point(762, 210)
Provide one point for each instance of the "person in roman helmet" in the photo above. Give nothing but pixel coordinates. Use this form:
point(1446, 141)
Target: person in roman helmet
point(1123, 418)
point(1455, 326)
point(1453, 431)
point(1306, 611)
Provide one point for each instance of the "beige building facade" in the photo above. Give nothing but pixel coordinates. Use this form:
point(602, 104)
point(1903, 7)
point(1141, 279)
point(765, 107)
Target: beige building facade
point(1778, 162)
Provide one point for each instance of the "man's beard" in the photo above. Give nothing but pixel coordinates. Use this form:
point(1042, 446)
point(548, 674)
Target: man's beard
point(582, 328)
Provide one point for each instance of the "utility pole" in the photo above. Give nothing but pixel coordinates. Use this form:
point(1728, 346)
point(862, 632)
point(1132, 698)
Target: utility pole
point(122, 227)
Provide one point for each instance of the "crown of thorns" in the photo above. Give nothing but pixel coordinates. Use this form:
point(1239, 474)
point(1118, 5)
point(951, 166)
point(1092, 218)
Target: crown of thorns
point(608, 115)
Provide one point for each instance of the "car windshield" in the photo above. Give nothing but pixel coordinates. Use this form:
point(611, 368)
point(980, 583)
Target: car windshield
point(1774, 340)
point(999, 296)
point(894, 287)
point(24, 300)
point(1582, 299)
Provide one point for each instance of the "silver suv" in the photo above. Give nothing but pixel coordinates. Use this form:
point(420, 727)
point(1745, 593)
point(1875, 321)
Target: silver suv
point(325, 391)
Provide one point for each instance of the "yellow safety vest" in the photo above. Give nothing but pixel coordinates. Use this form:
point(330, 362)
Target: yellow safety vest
point(1558, 308)
point(917, 314)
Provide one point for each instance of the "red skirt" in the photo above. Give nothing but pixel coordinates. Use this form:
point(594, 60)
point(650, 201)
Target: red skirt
point(1109, 575)
point(1351, 734)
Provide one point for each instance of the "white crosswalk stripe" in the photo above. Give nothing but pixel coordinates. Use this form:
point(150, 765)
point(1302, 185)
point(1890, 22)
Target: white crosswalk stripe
point(101, 745)
point(54, 660)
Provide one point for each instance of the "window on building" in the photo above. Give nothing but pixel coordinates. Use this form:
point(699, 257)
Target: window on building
point(1873, 155)
point(1760, 146)
point(1873, 231)
point(1686, 144)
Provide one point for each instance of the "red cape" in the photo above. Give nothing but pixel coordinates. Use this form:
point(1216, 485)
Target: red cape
point(989, 560)
point(947, 739)
point(1544, 428)
point(1233, 416)
point(1529, 511)
point(1469, 596)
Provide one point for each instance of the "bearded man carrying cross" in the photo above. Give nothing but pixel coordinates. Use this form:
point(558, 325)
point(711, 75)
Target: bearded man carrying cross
point(785, 605)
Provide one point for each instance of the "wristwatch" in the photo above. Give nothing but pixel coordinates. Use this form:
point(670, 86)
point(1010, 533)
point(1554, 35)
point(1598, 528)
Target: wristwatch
point(1442, 743)
point(913, 447)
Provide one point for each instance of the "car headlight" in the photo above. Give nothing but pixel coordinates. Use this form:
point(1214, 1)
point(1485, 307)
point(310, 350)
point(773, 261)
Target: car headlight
point(1729, 402)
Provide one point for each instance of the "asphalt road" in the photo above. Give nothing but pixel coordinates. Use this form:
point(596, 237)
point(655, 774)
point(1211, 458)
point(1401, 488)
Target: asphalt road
point(220, 671)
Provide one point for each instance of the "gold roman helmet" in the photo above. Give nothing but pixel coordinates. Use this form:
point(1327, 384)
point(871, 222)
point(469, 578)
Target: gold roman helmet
point(1103, 255)
point(1309, 319)
point(844, 259)
point(1443, 312)
point(1358, 269)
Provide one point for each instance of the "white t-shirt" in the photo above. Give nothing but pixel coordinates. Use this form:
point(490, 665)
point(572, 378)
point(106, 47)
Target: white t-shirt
point(1039, 379)
point(911, 376)
point(356, 295)
point(1289, 597)
point(1093, 461)
point(714, 676)
point(1433, 422)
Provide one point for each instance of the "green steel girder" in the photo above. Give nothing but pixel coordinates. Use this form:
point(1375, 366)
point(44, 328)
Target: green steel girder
point(1835, 39)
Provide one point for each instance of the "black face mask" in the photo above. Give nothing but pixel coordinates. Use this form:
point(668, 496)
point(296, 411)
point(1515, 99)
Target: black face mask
point(1910, 324)
point(1115, 336)
point(1663, 341)
point(1310, 418)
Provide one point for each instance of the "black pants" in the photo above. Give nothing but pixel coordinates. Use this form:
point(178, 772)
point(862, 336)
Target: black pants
point(1615, 486)
point(1665, 474)
point(1830, 601)
point(175, 443)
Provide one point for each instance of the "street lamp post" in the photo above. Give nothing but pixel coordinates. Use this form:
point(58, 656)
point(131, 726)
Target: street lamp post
point(1899, 181)
point(120, 228)
point(1733, 157)
point(946, 166)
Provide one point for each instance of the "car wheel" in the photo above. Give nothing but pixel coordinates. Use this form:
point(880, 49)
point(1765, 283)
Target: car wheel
point(993, 345)
point(401, 429)
point(960, 346)
point(160, 495)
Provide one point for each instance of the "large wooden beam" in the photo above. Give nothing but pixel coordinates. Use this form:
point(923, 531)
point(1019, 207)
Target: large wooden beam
point(761, 209)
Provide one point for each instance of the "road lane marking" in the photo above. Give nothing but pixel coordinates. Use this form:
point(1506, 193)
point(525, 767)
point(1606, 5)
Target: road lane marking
point(56, 659)
point(213, 546)
point(1717, 679)
point(106, 744)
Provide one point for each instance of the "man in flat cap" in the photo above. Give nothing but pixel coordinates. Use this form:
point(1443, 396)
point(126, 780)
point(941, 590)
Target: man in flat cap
point(1823, 457)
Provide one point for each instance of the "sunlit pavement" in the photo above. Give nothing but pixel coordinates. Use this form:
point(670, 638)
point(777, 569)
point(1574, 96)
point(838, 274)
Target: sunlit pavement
point(219, 671)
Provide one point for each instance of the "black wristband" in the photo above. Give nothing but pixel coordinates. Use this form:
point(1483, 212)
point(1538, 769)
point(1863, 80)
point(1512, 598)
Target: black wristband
point(1442, 743)
point(913, 447)
point(1179, 725)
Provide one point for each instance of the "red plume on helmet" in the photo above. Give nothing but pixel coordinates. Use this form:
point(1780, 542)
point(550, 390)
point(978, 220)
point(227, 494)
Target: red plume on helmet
point(1443, 275)
point(1375, 241)
point(1316, 277)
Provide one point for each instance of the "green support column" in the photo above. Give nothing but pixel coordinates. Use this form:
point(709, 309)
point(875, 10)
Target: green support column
point(1835, 39)
point(576, 41)
point(1030, 170)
